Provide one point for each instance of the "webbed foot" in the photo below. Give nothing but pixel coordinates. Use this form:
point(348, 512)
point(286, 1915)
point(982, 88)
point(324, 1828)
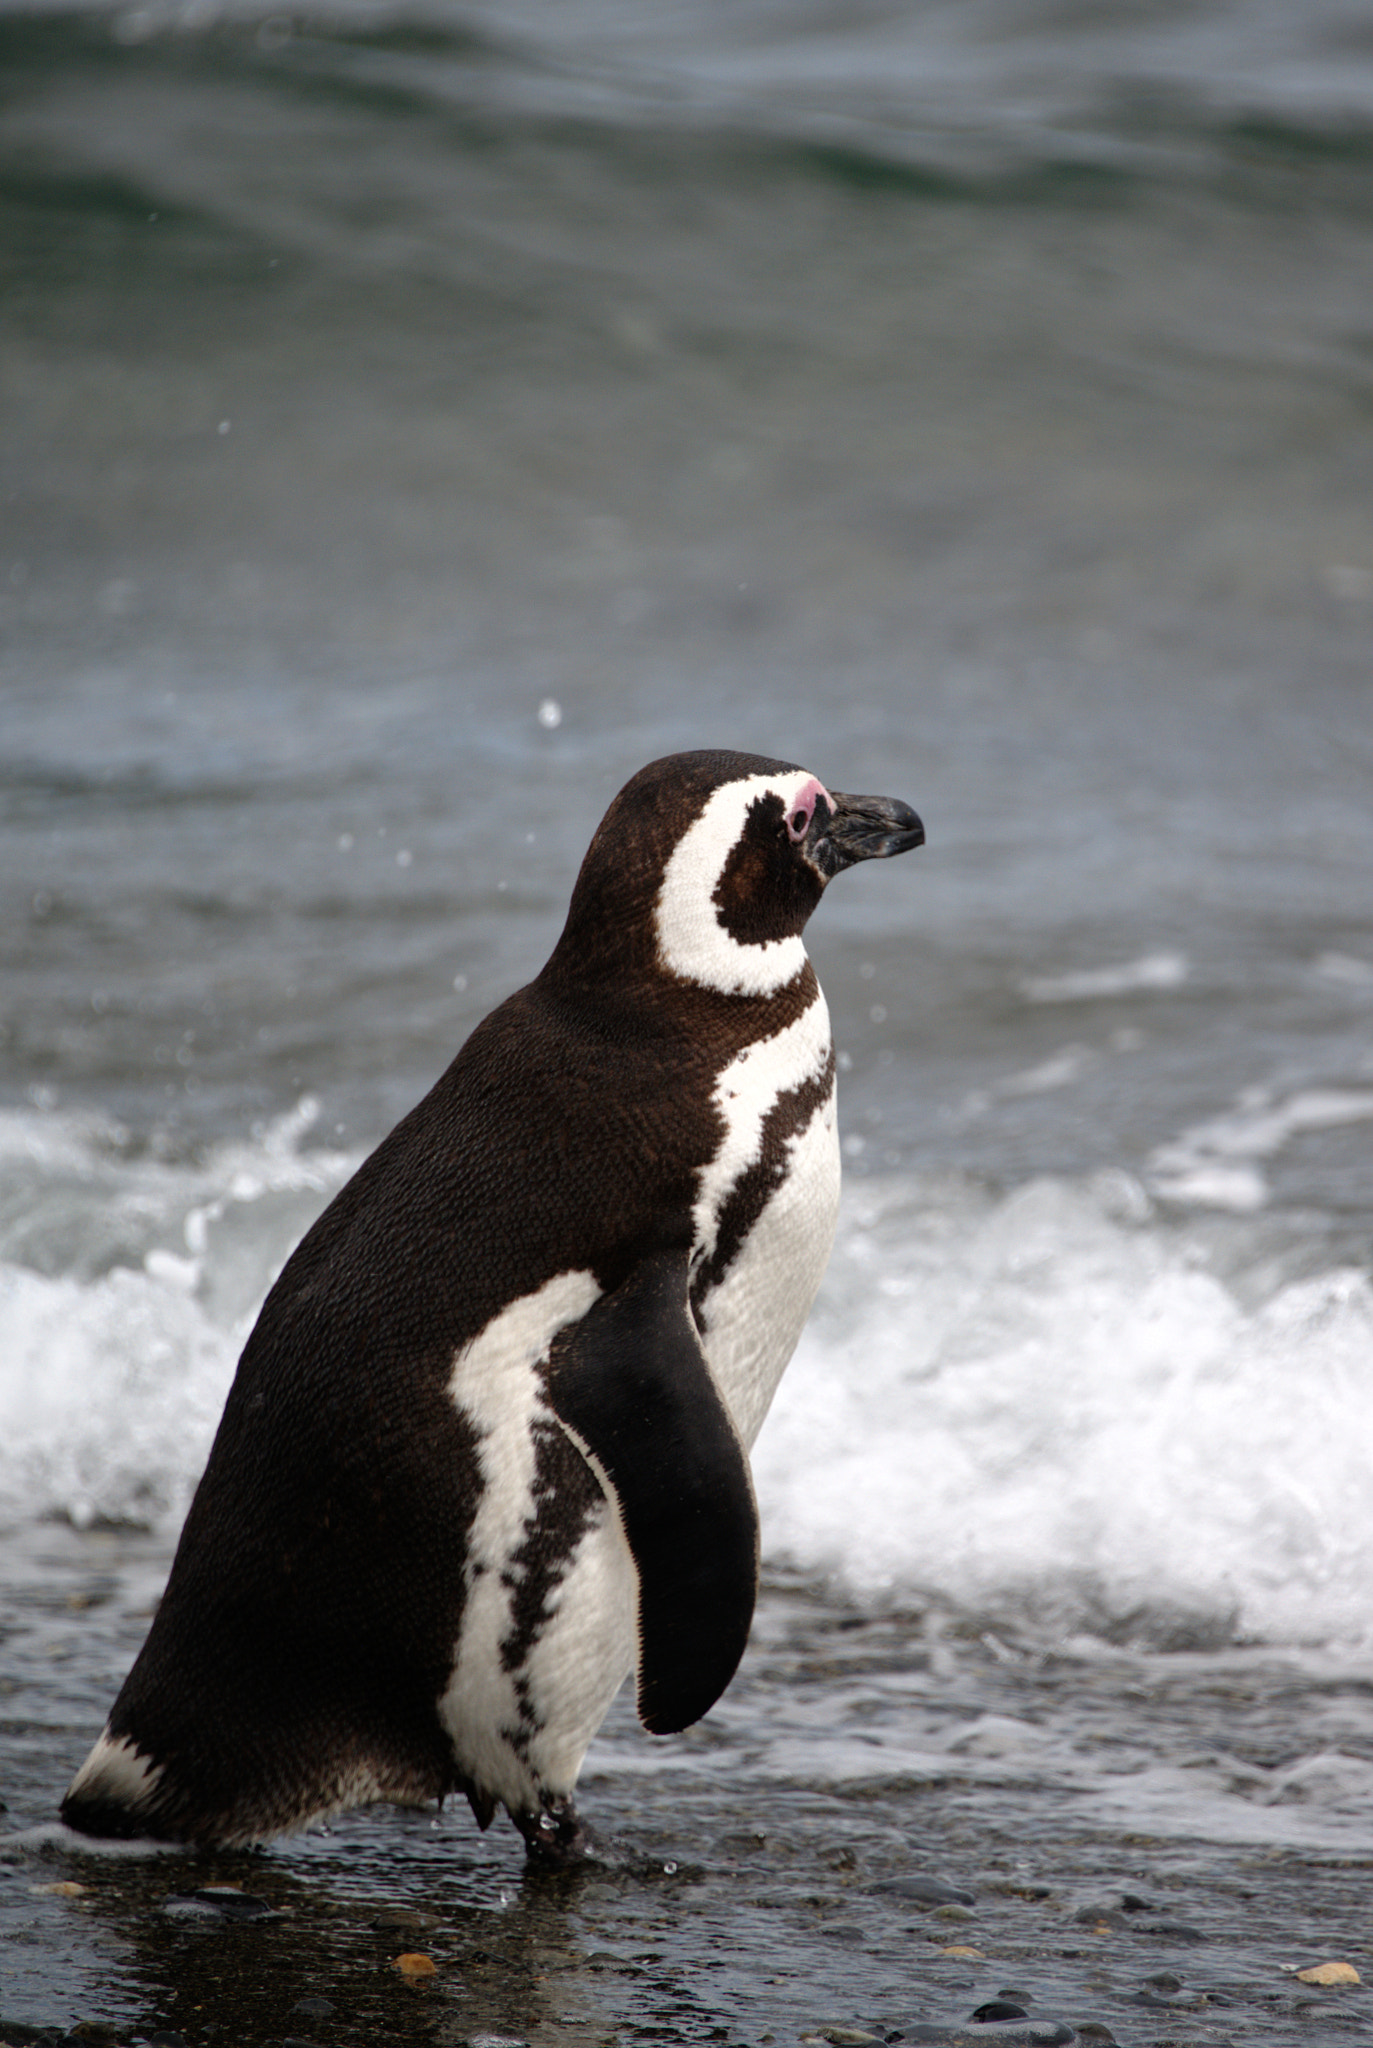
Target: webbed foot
point(556, 1837)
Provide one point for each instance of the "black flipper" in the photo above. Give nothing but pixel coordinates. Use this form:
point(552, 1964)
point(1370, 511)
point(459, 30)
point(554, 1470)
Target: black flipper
point(631, 1386)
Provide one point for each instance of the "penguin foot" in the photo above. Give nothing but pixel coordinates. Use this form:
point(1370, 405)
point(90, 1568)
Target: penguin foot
point(556, 1837)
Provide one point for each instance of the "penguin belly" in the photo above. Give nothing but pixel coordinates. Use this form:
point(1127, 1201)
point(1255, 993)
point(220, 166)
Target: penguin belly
point(767, 1211)
point(549, 1631)
point(754, 1318)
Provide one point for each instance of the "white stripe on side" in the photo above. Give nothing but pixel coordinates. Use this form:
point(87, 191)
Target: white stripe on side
point(495, 1386)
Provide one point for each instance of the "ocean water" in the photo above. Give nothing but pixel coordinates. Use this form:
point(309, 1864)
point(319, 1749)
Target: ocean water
point(417, 418)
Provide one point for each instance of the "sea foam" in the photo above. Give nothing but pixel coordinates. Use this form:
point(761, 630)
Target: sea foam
point(127, 1287)
point(1046, 1407)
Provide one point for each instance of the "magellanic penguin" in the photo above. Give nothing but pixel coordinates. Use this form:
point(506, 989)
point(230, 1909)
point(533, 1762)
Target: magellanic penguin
point(486, 1450)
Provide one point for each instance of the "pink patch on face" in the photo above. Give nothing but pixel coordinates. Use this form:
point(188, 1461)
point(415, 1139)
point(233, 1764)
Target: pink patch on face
point(801, 809)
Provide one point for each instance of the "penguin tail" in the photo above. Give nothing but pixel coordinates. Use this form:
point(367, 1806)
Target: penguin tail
point(114, 1794)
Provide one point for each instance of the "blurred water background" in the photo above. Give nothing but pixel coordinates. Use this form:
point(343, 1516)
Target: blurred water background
point(416, 418)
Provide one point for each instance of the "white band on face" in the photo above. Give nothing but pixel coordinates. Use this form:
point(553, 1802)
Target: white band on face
point(692, 942)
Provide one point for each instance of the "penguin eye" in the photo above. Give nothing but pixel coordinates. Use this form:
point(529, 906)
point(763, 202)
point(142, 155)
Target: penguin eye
point(798, 823)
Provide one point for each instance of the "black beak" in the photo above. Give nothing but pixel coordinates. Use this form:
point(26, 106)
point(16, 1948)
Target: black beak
point(862, 828)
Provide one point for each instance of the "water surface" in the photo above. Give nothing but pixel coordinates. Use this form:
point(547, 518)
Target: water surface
point(415, 420)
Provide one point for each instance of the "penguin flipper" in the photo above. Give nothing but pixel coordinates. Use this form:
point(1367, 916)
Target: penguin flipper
point(630, 1385)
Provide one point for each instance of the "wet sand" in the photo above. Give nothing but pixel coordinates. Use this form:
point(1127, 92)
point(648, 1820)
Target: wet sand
point(761, 1887)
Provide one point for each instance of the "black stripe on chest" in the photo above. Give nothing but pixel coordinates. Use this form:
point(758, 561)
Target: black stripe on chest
point(566, 1503)
point(758, 1183)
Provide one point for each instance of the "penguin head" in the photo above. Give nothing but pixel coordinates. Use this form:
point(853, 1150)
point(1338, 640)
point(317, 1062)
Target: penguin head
point(707, 866)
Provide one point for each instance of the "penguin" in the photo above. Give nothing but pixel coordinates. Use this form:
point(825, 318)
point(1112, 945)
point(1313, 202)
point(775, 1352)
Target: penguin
point(486, 1450)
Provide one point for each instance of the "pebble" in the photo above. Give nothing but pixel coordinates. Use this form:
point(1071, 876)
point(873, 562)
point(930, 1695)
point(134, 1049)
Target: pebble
point(742, 1842)
point(1108, 1916)
point(1329, 1973)
point(1170, 1930)
point(1019, 2033)
point(925, 1891)
point(810, 1902)
point(219, 1902)
point(313, 2008)
point(1103, 1918)
point(1113, 1912)
point(67, 1889)
point(1166, 1990)
point(404, 1920)
point(412, 1964)
point(1024, 2032)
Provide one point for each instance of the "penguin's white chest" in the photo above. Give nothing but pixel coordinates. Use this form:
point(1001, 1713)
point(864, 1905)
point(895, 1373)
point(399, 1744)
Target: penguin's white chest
point(521, 1710)
point(766, 1211)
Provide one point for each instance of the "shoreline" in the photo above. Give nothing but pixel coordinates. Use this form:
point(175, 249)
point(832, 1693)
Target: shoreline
point(820, 1927)
point(889, 1825)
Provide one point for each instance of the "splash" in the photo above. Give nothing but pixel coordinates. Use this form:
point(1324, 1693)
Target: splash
point(1047, 1407)
point(127, 1287)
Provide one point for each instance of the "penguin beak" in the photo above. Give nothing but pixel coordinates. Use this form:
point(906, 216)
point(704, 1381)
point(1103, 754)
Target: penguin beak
point(862, 828)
